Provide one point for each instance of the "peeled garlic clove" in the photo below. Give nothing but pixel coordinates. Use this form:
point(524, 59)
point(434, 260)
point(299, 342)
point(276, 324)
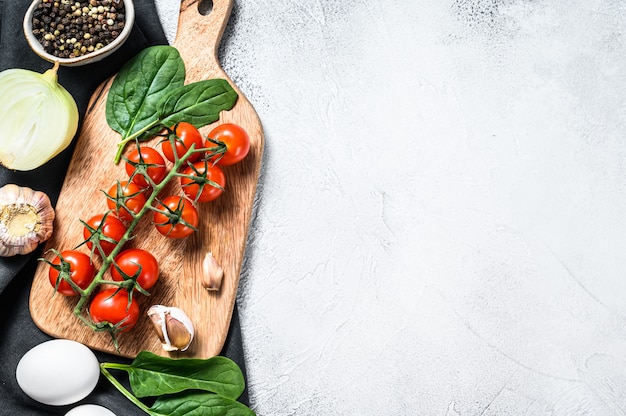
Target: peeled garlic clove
point(212, 273)
point(39, 118)
point(26, 219)
point(173, 327)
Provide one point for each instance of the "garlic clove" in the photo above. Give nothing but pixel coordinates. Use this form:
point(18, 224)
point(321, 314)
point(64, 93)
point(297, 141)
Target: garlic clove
point(177, 332)
point(26, 219)
point(212, 273)
point(173, 327)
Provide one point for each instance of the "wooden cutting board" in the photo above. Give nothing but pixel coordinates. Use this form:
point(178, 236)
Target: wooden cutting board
point(224, 222)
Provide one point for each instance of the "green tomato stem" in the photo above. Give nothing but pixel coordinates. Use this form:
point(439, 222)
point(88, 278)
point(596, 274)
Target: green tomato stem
point(99, 279)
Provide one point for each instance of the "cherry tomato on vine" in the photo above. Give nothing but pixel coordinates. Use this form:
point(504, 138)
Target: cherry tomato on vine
point(111, 306)
point(197, 189)
point(130, 198)
point(111, 229)
point(186, 135)
point(130, 261)
point(77, 266)
point(155, 167)
point(177, 217)
point(236, 140)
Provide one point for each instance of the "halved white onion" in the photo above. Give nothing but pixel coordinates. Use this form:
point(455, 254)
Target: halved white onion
point(38, 118)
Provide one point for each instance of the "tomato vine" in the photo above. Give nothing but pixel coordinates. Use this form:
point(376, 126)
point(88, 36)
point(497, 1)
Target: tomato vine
point(108, 259)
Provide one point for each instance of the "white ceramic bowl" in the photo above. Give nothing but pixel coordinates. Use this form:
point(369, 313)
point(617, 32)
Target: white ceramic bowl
point(88, 58)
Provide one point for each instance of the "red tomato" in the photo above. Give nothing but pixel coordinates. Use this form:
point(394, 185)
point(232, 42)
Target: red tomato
point(198, 189)
point(128, 196)
point(75, 265)
point(146, 162)
point(109, 232)
point(185, 135)
point(111, 306)
point(129, 263)
point(236, 140)
point(176, 218)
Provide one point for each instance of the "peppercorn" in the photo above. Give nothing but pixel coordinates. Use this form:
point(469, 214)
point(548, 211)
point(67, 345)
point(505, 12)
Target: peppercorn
point(59, 22)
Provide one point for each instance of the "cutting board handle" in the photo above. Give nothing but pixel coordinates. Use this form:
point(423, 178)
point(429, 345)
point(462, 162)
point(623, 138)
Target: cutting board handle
point(199, 35)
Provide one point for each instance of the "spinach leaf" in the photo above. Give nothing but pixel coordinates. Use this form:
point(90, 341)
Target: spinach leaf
point(153, 375)
point(198, 103)
point(149, 95)
point(138, 87)
point(185, 386)
point(199, 404)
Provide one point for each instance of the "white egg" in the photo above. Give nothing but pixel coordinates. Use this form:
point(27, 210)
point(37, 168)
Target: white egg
point(58, 372)
point(90, 410)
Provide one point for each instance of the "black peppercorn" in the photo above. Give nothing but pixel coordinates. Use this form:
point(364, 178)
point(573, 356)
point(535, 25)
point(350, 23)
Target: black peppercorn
point(71, 29)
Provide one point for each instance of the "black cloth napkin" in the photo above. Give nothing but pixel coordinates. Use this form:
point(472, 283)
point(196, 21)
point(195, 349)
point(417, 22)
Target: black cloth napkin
point(18, 333)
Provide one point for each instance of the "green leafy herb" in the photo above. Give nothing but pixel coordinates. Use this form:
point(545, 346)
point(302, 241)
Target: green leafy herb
point(149, 94)
point(198, 103)
point(139, 85)
point(153, 375)
point(199, 404)
point(186, 386)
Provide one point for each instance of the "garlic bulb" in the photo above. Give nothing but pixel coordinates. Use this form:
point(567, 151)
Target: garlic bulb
point(173, 327)
point(26, 219)
point(38, 118)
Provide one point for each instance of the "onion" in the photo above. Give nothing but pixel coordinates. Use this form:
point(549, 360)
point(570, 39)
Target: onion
point(38, 118)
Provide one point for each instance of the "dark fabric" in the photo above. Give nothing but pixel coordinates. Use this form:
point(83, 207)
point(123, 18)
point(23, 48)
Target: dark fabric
point(17, 331)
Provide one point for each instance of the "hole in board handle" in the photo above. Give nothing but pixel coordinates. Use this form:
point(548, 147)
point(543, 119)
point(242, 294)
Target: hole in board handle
point(205, 7)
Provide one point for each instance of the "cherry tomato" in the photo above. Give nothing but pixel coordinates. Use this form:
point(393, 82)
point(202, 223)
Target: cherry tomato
point(109, 306)
point(134, 199)
point(236, 140)
point(186, 135)
point(198, 189)
point(129, 261)
point(110, 232)
point(176, 218)
point(77, 266)
point(154, 166)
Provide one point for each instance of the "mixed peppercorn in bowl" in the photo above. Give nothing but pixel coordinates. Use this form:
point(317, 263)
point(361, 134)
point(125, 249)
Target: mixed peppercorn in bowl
point(76, 33)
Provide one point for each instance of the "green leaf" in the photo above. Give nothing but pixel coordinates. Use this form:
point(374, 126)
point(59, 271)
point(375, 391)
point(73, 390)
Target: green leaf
point(199, 404)
point(138, 87)
point(153, 375)
point(198, 103)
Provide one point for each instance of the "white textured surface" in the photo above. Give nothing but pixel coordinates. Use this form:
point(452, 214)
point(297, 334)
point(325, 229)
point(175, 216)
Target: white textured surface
point(440, 226)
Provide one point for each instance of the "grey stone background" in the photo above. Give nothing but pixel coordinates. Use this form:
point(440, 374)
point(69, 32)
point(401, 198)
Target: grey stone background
point(440, 219)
